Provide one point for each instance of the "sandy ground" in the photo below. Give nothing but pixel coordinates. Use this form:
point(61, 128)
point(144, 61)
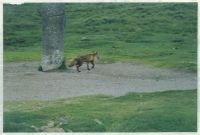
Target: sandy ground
point(22, 81)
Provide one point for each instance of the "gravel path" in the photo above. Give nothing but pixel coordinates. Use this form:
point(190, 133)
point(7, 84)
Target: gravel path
point(22, 81)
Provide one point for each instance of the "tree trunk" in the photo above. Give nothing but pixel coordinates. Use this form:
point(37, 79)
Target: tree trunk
point(53, 20)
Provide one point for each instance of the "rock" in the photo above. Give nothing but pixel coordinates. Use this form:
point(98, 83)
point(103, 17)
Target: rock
point(98, 121)
point(53, 33)
point(50, 124)
point(50, 127)
point(84, 39)
point(63, 121)
point(53, 129)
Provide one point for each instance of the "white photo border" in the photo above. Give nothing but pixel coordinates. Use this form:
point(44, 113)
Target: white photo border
point(94, 1)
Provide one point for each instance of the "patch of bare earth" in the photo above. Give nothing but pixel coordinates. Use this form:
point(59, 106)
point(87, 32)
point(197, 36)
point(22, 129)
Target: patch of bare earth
point(22, 81)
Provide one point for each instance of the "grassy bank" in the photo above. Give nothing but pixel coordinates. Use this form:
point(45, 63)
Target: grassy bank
point(161, 34)
point(134, 112)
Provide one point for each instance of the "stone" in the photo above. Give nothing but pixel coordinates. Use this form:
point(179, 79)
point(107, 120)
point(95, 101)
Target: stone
point(53, 20)
point(54, 129)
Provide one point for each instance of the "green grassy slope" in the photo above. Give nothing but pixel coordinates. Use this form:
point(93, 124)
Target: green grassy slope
point(135, 112)
point(162, 34)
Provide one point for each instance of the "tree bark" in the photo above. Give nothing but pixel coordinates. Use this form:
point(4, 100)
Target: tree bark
point(53, 20)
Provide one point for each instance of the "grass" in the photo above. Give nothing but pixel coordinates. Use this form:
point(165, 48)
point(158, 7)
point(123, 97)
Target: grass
point(160, 34)
point(170, 111)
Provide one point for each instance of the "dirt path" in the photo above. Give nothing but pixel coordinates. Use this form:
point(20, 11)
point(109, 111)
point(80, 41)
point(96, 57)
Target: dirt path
point(22, 81)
